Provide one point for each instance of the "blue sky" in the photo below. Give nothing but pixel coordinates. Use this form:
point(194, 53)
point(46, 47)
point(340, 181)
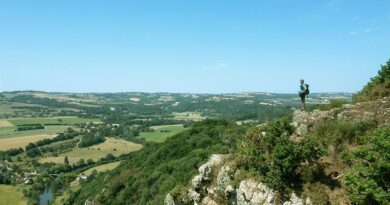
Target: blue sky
point(203, 46)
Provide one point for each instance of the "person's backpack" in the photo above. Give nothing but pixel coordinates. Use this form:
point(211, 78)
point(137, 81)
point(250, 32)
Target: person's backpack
point(307, 89)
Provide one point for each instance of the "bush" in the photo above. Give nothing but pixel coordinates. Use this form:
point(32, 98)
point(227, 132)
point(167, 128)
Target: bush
point(367, 182)
point(275, 157)
point(377, 88)
point(317, 193)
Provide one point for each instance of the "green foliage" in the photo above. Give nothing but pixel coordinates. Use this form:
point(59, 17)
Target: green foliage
point(378, 87)
point(368, 180)
point(317, 193)
point(89, 140)
point(271, 153)
point(336, 133)
point(149, 174)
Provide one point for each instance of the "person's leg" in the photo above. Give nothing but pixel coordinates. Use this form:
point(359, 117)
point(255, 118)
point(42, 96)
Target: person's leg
point(303, 106)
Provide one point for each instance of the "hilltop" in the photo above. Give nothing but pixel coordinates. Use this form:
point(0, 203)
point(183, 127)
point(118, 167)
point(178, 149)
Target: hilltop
point(336, 155)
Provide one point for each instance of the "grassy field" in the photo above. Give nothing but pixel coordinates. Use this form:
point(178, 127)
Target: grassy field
point(9, 143)
point(102, 168)
point(111, 145)
point(158, 136)
point(11, 195)
point(59, 160)
point(5, 123)
point(194, 116)
point(68, 120)
point(9, 132)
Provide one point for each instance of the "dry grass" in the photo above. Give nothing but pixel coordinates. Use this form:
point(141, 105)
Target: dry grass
point(5, 123)
point(59, 160)
point(102, 168)
point(111, 145)
point(165, 126)
point(17, 142)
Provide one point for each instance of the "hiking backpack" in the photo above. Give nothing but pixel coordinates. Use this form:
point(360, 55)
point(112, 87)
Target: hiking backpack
point(307, 89)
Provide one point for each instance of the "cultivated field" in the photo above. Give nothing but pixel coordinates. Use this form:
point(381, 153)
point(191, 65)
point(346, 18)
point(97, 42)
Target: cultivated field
point(194, 116)
point(59, 160)
point(111, 145)
point(5, 123)
point(158, 136)
point(9, 143)
point(67, 120)
point(102, 168)
point(11, 195)
point(9, 132)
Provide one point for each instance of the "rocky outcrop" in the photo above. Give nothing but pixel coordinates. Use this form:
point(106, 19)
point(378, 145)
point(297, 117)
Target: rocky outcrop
point(207, 189)
point(378, 111)
point(304, 121)
point(251, 192)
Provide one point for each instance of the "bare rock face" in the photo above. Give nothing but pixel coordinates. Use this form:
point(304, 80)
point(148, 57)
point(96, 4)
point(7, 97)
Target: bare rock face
point(294, 200)
point(169, 200)
point(203, 191)
point(302, 130)
point(223, 178)
point(251, 192)
point(303, 121)
point(194, 196)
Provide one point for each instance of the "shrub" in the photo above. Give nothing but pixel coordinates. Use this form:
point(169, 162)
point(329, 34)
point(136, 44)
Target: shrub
point(377, 88)
point(367, 182)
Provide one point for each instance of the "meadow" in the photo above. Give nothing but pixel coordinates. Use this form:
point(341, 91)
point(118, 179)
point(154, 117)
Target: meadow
point(9, 132)
point(67, 120)
point(161, 133)
point(9, 143)
point(11, 195)
point(102, 168)
point(111, 145)
point(193, 116)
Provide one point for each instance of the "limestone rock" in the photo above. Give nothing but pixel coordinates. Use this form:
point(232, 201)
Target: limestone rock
point(169, 200)
point(194, 196)
point(302, 130)
point(294, 200)
point(250, 193)
point(223, 178)
point(197, 181)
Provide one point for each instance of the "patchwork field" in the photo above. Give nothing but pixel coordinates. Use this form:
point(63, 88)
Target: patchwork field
point(59, 160)
point(9, 143)
point(67, 120)
point(11, 195)
point(5, 123)
point(102, 168)
point(111, 145)
point(195, 116)
point(161, 133)
point(9, 132)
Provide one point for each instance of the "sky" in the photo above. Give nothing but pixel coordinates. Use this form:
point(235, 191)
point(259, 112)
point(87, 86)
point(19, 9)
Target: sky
point(197, 46)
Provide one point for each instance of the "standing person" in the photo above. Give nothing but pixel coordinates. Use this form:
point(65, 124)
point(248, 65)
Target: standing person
point(303, 91)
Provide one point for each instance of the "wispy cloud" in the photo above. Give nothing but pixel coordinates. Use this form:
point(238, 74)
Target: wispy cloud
point(362, 31)
point(216, 67)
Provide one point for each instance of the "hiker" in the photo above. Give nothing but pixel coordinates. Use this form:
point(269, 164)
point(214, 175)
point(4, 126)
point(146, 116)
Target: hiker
point(303, 92)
